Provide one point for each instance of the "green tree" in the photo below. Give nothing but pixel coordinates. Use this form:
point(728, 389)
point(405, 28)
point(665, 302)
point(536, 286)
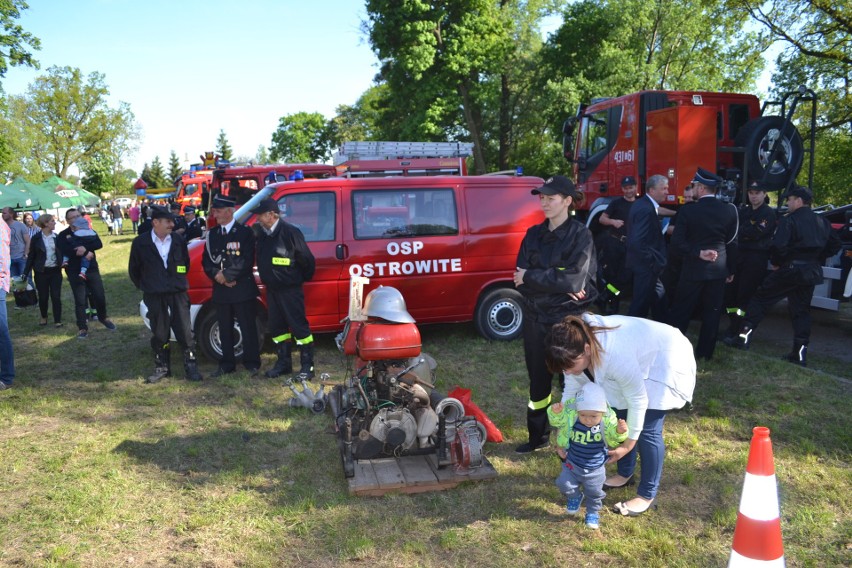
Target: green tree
point(262, 155)
point(301, 137)
point(157, 175)
point(62, 121)
point(98, 175)
point(15, 43)
point(175, 170)
point(361, 121)
point(223, 149)
point(146, 175)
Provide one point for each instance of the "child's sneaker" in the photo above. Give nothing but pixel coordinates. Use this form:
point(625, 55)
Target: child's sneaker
point(592, 521)
point(574, 503)
point(82, 276)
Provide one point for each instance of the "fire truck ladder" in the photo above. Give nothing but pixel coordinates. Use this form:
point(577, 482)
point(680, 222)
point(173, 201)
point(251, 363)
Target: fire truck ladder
point(350, 151)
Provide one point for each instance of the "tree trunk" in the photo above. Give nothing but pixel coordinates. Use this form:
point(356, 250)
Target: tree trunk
point(473, 118)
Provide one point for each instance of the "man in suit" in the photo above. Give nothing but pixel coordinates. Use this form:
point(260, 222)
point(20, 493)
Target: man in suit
point(646, 250)
point(194, 226)
point(705, 237)
point(158, 265)
point(228, 261)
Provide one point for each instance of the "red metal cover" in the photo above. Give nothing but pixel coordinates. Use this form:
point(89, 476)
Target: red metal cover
point(350, 338)
point(377, 341)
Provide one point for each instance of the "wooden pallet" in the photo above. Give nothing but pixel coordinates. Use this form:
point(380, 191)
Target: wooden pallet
point(411, 474)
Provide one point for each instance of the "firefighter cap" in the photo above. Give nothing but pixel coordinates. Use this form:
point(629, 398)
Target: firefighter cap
point(189, 209)
point(160, 212)
point(799, 191)
point(628, 180)
point(174, 205)
point(223, 201)
point(706, 178)
point(265, 206)
point(557, 184)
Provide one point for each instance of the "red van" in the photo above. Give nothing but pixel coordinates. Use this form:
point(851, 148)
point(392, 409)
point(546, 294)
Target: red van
point(448, 243)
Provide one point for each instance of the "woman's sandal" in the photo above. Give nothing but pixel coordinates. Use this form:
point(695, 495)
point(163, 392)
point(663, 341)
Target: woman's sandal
point(630, 481)
point(623, 509)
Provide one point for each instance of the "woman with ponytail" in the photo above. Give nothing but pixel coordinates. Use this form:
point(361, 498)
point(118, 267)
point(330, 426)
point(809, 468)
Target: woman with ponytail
point(645, 368)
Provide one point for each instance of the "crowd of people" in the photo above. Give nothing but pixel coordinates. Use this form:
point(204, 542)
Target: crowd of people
point(620, 375)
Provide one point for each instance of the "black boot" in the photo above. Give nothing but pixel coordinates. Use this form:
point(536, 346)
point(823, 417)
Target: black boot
point(162, 365)
point(306, 362)
point(284, 364)
point(190, 365)
point(799, 355)
point(741, 340)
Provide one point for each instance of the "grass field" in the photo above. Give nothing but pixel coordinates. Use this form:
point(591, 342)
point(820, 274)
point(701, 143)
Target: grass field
point(99, 469)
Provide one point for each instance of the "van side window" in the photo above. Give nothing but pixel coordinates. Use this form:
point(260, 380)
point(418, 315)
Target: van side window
point(313, 213)
point(389, 214)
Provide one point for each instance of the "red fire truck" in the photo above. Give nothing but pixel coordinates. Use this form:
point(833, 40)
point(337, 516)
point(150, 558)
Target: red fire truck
point(192, 186)
point(674, 132)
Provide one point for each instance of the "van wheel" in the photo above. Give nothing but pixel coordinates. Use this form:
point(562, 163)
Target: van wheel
point(209, 342)
point(758, 137)
point(499, 315)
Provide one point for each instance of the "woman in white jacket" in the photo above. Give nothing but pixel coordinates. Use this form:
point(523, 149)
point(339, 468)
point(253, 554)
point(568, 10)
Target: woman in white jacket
point(646, 368)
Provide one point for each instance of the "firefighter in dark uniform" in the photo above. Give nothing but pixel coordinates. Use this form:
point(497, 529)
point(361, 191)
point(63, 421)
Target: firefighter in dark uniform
point(613, 276)
point(705, 237)
point(158, 266)
point(802, 243)
point(180, 222)
point(284, 262)
point(757, 225)
point(556, 268)
point(228, 261)
point(194, 225)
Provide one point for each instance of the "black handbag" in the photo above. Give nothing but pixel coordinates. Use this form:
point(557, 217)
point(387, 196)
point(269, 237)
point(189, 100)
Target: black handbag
point(25, 298)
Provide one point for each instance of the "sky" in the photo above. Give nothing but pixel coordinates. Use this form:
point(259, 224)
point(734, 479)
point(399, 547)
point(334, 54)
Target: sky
point(189, 68)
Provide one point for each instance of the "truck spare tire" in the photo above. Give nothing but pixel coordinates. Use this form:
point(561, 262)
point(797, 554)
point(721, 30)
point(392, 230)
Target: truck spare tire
point(758, 138)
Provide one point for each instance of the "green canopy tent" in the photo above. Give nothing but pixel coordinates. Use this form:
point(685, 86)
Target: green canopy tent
point(76, 196)
point(18, 196)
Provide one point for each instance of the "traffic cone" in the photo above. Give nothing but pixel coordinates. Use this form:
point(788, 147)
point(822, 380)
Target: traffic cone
point(757, 536)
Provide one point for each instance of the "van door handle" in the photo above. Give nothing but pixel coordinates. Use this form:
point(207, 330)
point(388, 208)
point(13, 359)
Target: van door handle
point(602, 188)
point(341, 252)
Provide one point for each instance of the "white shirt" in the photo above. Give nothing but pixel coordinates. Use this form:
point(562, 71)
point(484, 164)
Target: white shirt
point(163, 247)
point(227, 228)
point(50, 248)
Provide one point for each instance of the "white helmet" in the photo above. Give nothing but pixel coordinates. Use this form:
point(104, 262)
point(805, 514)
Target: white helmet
point(387, 303)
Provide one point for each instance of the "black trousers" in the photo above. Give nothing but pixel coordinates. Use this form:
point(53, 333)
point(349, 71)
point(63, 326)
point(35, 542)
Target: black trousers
point(94, 286)
point(648, 294)
point(49, 285)
point(246, 315)
point(779, 284)
point(750, 272)
point(167, 313)
point(287, 314)
point(541, 380)
point(708, 295)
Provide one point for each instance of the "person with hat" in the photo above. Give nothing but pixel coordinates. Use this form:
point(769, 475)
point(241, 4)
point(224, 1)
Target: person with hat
point(705, 238)
point(613, 276)
point(158, 265)
point(194, 225)
point(228, 261)
point(801, 244)
point(646, 250)
point(555, 274)
point(284, 263)
point(757, 225)
point(179, 221)
point(586, 427)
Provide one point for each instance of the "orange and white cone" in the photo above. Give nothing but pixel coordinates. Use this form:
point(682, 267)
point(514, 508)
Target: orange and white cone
point(757, 536)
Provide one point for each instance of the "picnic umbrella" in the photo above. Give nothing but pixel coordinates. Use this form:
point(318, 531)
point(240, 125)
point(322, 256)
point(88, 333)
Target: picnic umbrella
point(76, 196)
point(18, 196)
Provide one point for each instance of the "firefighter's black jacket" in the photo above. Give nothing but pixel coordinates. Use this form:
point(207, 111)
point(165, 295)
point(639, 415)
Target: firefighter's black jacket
point(283, 257)
point(803, 236)
point(557, 263)
point(233, 254)
point(756, 227)
point(146, 266)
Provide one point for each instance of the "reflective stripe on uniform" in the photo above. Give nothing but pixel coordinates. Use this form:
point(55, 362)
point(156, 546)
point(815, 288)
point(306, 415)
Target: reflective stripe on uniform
point(280, 338)
point(280, 261)
point(736, 311)
point(540, 404)
point(181, 269)
point(305, 341)
point(613, 289)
